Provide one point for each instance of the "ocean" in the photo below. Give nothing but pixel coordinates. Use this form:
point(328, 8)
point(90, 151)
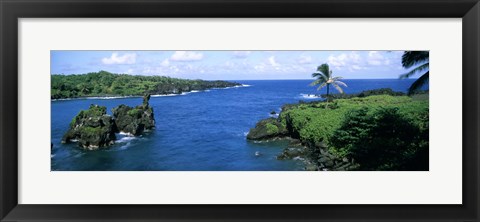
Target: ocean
point(196, 131)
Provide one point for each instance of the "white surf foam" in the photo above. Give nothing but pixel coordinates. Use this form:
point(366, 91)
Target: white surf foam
point(125, 134)
point(274, 115)
point(108, 97)
point(309, 96)
point(163, 95)
point(298, 158)
point(125, 139)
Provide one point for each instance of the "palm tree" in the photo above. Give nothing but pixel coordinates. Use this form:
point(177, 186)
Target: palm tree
point(325, 78)
point(421, 60)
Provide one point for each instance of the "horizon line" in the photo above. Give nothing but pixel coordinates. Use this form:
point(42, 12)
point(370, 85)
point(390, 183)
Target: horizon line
point(212, 79)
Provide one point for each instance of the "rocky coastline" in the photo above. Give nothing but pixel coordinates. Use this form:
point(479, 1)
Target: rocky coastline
point(315, 155)
point(93, 128)
point(311, 127)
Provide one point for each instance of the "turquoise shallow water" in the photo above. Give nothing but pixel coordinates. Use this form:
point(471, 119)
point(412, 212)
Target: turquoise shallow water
point(196, 131)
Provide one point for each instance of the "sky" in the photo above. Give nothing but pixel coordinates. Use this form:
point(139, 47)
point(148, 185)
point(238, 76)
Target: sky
point(231, 65)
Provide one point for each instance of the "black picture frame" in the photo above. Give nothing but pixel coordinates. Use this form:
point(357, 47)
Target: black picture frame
point(12, 10)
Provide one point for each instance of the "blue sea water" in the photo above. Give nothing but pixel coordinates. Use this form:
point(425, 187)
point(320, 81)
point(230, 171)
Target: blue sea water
point(203, 130)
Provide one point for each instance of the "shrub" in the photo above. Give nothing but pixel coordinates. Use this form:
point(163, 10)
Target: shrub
point(91, 131)
point(384, 139)
point(271, 129)
point(135, 112)
point(94, 110)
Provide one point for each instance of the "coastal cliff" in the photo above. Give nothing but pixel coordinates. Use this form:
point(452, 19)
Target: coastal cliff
point(372, 130)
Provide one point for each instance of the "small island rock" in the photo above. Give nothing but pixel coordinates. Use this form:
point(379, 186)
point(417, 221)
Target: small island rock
point(134, 120)
point(91, 128)
point(267, 129)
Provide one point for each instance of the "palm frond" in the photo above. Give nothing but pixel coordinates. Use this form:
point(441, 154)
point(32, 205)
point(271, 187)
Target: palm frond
point(341, 83)
point(337, 87)
point(415, 87)
point(416, 70)
point(319, 75)
point(411, 58)
point(322, 85)
point(317, 81)
point(337, 77)
point(325, 70)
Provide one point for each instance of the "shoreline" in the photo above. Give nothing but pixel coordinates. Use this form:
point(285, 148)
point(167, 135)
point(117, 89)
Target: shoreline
point(139, 96)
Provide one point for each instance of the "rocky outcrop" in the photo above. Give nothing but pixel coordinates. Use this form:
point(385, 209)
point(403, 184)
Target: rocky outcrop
point(178, 88)
point(315, 155)
point(270, 128)
point(91, 128)
point(134, 120)
point(303, 122)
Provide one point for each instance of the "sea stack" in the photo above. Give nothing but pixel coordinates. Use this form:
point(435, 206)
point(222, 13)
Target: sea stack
point(91, 128)
point(134, 120)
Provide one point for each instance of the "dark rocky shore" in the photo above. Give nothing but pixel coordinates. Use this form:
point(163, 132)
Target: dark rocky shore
point(308, 125)
point(316, 156)
point(94, 128)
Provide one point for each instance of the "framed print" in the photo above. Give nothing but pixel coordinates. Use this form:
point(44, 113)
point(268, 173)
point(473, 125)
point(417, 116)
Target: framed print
point(226, 110)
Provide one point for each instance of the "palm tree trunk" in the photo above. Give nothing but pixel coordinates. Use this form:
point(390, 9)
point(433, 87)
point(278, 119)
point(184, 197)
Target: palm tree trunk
point(328, 91)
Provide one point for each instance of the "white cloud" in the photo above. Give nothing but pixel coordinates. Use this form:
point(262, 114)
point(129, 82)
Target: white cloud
point(165, 63)
point(376, 59)
point(186, 56)
point(259, 68)
point(129, 71)
point(356, 67)
point(351, 61)
point(305, 59)
point(241, 54)
point(272, 61)
point(128, 58)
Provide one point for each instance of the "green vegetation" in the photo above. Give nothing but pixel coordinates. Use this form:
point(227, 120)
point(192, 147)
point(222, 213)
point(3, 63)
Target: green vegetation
point(384, 139)
point(325, 78)
point(108, 84)
point(92, 131)
point(414, 58)
point(94, 111)
point(379, 132)
point(365, 93)
point(311, 122)
point(135, 112)
point(271, 128)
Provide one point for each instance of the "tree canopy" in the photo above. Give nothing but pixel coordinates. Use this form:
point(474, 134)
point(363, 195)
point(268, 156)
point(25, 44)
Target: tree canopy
point(104, 83)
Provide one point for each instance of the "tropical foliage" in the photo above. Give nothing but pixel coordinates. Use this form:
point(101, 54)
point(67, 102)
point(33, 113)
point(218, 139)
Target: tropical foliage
point(384, 139)
point(380, 132)
point(419, 59)
point(324, 78)
point(108, 84)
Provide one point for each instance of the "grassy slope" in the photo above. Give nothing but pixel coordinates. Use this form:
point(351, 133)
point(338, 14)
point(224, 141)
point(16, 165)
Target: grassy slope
point(314, 123)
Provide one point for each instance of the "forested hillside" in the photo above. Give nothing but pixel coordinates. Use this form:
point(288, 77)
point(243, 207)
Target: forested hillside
point(108, 84)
